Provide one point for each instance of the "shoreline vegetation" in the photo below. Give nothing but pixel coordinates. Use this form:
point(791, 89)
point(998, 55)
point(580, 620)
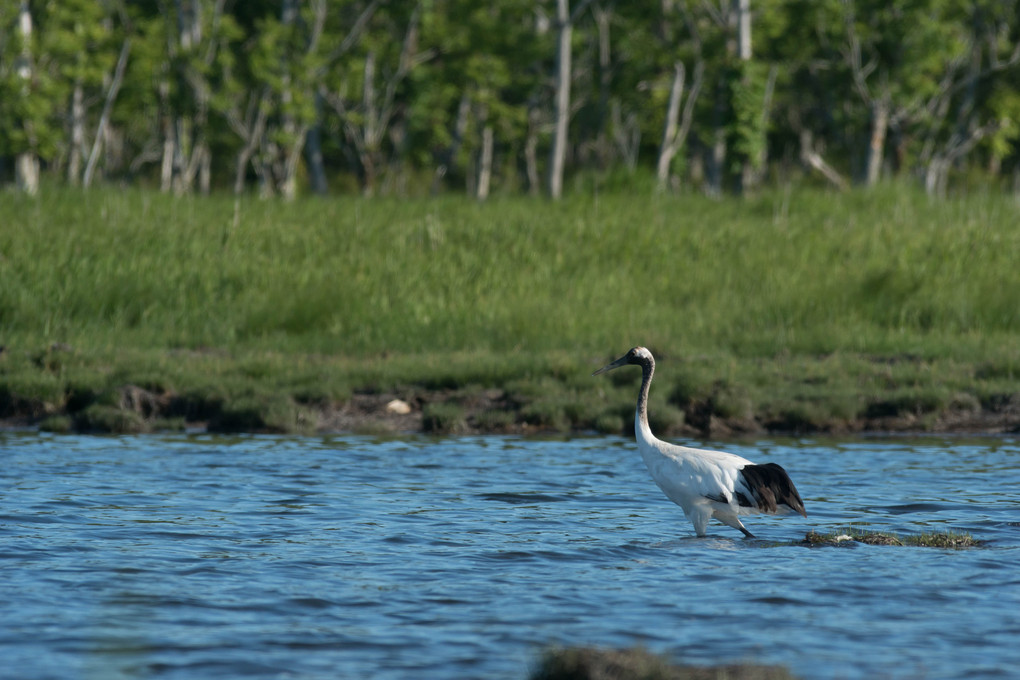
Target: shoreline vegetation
point(792, 312)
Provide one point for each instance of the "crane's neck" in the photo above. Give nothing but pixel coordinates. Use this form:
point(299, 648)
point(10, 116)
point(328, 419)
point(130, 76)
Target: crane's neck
point(641, 428)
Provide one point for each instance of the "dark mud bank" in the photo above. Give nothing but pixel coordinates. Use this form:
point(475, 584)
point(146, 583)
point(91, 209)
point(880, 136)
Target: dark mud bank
point(132, 409)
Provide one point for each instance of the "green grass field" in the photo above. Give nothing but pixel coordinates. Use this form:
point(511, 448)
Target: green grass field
point(792, 309)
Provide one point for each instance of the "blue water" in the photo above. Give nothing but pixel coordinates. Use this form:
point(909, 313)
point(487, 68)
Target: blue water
point(346, 557)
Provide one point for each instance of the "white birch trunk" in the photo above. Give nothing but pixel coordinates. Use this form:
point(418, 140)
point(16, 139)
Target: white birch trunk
point(558, 156)
point(288, 168)
point(313, 153)
point(531, 153)
point(104, 118)
point(876, 147)
point(77, 149)
point(485, 164)
point(743, 9)
point(812, 158)
point(26, 167)
point(668, 148)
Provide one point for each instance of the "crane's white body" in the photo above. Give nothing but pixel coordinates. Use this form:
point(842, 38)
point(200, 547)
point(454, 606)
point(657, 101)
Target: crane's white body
point(691, 478)
point(706, 484)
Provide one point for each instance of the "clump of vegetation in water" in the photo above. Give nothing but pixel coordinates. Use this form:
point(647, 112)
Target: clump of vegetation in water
point(853, 535)
point(592, 663)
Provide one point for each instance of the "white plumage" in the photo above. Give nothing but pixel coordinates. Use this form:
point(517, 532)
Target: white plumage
point(706, 484)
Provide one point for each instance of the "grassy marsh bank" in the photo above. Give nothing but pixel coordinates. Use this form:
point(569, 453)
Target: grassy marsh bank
point(793, 311)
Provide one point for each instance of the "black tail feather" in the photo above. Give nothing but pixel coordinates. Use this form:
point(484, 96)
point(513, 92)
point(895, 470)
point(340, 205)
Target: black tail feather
point(772, 487)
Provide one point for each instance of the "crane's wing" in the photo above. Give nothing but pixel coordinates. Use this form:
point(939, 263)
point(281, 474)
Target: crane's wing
point(686, 474)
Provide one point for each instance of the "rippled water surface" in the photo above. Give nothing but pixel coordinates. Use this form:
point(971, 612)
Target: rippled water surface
point(343, 557)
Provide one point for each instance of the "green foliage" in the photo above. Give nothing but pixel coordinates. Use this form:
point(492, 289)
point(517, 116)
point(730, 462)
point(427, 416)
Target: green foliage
point(30, 93)
point(78, 39)
point(748, 86)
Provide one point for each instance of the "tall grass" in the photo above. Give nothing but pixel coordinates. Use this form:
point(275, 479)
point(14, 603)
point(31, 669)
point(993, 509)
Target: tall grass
point(883, 272)
point(792, 310)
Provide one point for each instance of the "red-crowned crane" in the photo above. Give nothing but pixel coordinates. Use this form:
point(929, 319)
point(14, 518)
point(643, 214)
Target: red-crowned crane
point(704, 483)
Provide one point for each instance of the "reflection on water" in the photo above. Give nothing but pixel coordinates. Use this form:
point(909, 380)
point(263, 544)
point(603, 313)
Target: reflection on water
point(196, 556)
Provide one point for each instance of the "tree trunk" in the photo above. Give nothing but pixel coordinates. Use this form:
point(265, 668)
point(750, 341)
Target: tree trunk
point(292, 156)
point(313, 153)
point(27, 171)
point(189, 24)
point(368, 127)
point(190, 150)
point(558, 156)
point(205, 171)
point(26, 167)
point(485, 163)
point(812, 158)
point(241, 167)
point(104, 118)
point(531, 152)
point(715, 167)
point(715, 164)
point(936, 178)
point(602, 145)
point(742, 8)
point(668, 148)
point(288, 167)
point(626, 135)
point(77, 149)
point(294, 131)
point(166, 169)
point(251, 130)
point(756, 168)
point(677, 128)
point(448, 157)
point(876, 148)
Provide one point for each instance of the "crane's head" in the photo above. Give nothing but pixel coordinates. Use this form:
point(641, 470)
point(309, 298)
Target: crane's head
point(638, 356)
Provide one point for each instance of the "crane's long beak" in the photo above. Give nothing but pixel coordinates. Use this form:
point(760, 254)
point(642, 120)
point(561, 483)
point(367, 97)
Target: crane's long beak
point(622, 361)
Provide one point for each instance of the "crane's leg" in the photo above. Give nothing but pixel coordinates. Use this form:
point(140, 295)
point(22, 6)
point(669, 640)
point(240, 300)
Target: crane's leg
point(730, 519)
point(699, 518)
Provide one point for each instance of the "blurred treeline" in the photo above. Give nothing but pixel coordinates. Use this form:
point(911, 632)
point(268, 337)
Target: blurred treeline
point(411, 97)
